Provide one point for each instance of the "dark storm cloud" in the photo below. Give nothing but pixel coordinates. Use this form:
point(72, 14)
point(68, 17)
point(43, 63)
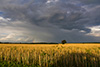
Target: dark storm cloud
point(35, 12)
point(94, 15)
point(90, 1)
point(59, 14)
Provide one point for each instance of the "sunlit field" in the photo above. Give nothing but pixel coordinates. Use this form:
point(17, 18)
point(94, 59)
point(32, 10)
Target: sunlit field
point(50, 55)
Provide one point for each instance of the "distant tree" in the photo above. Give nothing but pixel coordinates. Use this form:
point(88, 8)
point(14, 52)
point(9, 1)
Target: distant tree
point(63, 41)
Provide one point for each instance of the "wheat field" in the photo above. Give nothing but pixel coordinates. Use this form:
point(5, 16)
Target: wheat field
point(50, 55)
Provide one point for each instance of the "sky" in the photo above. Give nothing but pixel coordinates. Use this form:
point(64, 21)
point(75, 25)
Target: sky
point(49, 20)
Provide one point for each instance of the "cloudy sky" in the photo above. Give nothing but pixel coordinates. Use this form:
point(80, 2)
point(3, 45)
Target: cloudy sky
point(49, 20)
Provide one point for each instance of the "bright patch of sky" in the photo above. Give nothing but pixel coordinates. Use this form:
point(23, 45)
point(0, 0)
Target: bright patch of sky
point(95, 31)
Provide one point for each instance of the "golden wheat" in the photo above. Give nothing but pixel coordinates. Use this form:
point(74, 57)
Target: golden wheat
point(56, 55)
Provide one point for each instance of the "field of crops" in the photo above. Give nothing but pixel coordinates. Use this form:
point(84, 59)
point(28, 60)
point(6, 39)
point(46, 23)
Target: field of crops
point(47, 55)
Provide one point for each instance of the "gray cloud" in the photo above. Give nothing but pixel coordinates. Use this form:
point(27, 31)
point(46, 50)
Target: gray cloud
point(20, 32)
point(91, 1)
point(62, 14)
point(42, 13)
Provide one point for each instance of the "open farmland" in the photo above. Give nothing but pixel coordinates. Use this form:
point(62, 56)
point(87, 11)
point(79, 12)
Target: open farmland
point(50, 55)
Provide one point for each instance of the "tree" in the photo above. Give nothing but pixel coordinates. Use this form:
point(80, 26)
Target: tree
point(63, 41)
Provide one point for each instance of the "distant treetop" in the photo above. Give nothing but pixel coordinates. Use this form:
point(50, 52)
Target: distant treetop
point(63, 41)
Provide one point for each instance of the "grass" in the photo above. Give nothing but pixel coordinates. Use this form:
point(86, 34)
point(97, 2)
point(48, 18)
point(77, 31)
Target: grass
point(57, 55)
point(15, 64)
